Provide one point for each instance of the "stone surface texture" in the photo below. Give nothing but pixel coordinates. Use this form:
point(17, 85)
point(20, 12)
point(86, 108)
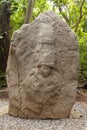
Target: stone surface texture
point(42, 69)
point(77, 121)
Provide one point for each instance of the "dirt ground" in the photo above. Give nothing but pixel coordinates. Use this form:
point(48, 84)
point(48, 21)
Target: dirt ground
point(3, 94)
point(81, 95)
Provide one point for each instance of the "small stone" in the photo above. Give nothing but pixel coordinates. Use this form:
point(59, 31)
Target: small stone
point(3, 110)
point(75, 115)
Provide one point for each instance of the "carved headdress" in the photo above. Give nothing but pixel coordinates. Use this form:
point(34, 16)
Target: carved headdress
point(47, 38)
point(46, 34)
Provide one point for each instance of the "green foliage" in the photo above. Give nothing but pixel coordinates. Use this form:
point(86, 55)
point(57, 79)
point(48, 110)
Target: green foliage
point(39, 7)
point(18, 14)
point(19, 11)
point(83, 56)
point(2, 79)
point(85, 26)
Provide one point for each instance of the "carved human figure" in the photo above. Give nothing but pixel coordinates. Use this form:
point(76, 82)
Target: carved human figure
point(43, 79)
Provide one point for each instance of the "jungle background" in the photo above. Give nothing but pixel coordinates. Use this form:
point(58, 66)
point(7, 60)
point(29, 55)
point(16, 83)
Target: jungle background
point(15, 13)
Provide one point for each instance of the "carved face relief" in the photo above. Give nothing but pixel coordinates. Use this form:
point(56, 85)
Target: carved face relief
point(44, 70)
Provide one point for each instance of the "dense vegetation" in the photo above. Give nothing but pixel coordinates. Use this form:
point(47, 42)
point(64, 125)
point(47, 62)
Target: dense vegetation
point(14, 13)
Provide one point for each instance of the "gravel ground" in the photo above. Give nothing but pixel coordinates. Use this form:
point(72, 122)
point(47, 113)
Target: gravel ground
point(11, 123)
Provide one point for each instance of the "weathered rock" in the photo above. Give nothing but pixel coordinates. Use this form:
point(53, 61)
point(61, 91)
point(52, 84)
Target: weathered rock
point(42, 69)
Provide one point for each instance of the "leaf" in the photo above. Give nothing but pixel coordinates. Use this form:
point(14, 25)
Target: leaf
point(1, 37)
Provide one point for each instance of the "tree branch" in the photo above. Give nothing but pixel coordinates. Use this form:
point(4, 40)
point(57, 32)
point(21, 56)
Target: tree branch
point(76, 23)
point(29, 11)
point(80, 16)
point(64, 15)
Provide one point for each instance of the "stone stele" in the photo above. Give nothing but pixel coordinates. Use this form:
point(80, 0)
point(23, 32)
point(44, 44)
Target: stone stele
point(42, 69)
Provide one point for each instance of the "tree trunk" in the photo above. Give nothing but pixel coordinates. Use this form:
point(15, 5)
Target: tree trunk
point(4, 34)
point(29, 11)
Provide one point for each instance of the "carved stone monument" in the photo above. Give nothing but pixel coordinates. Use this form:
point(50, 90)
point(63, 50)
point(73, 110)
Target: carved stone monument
point(42, 70)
